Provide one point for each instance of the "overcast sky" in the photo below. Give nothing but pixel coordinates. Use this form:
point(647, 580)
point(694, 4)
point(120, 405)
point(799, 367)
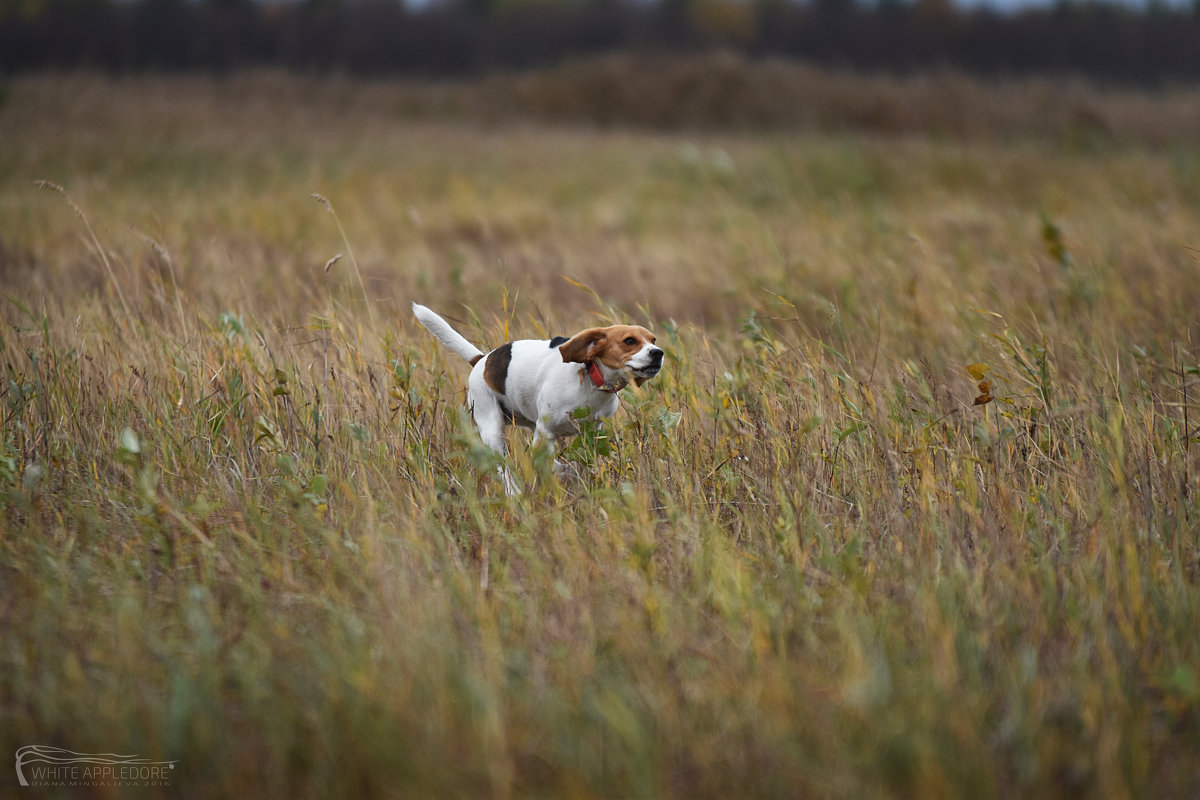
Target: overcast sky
point(1006, 5)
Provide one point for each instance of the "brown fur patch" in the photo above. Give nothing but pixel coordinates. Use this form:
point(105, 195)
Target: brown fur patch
point(495, 369)
point(579, 347)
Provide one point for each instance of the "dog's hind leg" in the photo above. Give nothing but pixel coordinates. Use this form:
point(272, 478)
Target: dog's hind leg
point(490, 420)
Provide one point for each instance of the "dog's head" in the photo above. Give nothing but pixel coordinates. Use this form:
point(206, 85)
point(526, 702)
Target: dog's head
point(618, 347)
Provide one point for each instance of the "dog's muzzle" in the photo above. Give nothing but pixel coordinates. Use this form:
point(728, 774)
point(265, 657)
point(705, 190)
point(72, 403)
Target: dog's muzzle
point(654, 362)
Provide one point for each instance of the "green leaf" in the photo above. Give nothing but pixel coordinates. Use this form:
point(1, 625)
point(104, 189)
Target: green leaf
point(667, 419)
point(850, 430)
point(231, 325)
point(1052, 238)
point(129, 441)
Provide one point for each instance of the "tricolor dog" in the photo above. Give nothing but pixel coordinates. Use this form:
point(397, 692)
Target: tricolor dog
point(541, 383)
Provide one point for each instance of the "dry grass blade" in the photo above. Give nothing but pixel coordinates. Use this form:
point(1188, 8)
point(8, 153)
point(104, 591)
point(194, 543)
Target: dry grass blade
point(108, 268)
point(324, 201)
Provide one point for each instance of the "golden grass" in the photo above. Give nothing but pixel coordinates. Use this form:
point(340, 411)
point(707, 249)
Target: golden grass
point(245, 525)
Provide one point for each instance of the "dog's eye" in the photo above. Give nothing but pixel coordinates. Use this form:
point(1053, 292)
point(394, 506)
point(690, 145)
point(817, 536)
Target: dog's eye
point(629, 340)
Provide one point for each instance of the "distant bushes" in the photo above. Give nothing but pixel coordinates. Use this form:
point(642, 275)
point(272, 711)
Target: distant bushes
point(718, 91)
point(726, 91)
point(463, 37)
point(722, 90)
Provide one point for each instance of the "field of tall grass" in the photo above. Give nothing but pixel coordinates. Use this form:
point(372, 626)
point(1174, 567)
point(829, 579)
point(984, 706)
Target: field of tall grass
point(911, 511)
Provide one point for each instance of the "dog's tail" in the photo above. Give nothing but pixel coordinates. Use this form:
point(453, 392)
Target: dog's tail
point(442, 331)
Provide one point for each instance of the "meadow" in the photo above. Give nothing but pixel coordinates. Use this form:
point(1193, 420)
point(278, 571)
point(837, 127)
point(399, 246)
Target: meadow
point(911, 511)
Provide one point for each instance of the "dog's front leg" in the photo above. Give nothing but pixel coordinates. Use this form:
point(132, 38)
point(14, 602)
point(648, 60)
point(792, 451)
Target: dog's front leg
point(542, 434)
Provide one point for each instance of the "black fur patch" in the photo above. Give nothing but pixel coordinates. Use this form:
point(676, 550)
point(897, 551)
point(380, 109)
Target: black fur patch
point(558, 341)
point(495, 369)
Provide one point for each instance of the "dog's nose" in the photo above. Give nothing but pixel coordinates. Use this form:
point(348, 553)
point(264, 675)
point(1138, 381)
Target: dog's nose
point(656, 356)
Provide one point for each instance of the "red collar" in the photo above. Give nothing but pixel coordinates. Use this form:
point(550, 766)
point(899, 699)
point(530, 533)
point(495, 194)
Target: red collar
point(597, 377)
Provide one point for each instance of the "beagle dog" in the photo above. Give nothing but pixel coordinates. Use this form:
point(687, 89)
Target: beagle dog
point(540, 384)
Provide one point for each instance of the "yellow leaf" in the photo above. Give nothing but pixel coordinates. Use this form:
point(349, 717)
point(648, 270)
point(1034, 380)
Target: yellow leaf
point(978, 370)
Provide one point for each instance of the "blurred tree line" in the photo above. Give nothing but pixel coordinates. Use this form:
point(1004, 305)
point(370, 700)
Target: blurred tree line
point(460, 37)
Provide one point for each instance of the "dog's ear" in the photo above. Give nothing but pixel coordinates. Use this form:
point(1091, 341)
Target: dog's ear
point(582, 346)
